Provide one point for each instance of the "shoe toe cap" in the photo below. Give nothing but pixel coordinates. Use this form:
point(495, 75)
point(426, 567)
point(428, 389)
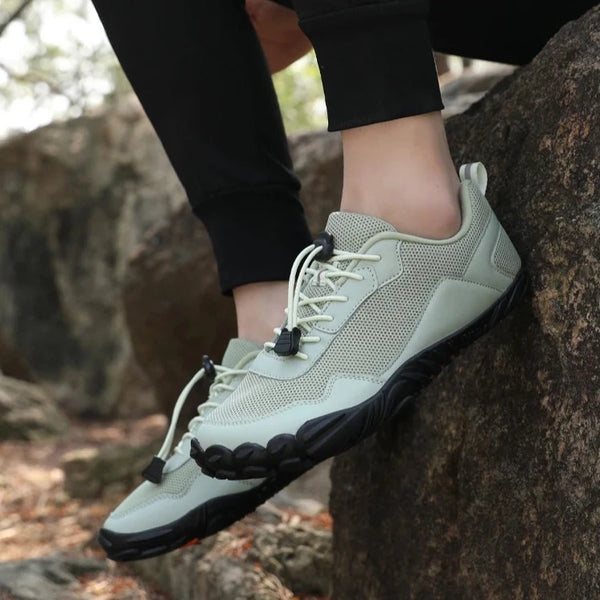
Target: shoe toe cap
point(153, 505)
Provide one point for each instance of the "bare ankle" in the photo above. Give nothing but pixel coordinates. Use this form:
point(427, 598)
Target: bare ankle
point(401, 171)
point(259, 308)
point(427, 211)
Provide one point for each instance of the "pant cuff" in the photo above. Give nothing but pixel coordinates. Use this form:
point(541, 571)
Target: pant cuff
point(256, 235)
point(376, 63)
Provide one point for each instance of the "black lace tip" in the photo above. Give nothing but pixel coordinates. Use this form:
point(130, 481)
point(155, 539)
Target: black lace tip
point(288, 342)
point(153, 472)
point(209, 368)
point(196, 451)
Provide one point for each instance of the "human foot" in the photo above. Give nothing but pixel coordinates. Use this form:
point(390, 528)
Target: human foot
point(370, 322)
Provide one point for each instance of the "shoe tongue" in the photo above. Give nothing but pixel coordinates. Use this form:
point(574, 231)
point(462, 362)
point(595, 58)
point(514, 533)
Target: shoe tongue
point(351, 231)
point(237, 349)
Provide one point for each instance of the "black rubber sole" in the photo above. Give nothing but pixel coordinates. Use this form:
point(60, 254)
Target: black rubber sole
point(207, 519)
point(329, 435)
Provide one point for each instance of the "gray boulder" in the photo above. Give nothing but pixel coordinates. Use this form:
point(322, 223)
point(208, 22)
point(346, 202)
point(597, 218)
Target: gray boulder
point(174, 310)
point(90, 472)
point(75, 199)
point(489, 487)
point(254, 561)
point(28, 412)
point(299, 555)
point(48, 578)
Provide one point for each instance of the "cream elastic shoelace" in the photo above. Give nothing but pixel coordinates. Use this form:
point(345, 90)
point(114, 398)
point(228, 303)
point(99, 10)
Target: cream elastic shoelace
point(319, 274)
point(221, 383)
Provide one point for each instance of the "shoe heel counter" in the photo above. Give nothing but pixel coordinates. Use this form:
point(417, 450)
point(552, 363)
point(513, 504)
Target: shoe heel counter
point(495, 261)
point(505, 257)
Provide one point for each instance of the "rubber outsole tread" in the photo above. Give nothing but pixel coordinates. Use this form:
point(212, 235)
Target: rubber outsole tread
point(329, 435)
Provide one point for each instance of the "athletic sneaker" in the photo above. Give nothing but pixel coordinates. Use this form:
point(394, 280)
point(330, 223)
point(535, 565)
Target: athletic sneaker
point(373, 315)
point(178, 504)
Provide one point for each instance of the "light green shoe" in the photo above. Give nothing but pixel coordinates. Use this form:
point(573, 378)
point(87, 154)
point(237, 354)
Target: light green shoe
point(370, 321)
point(179, 504)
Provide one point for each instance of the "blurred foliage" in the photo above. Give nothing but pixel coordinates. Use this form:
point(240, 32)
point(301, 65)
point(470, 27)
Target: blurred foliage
point(56, 63)
point(300, 95)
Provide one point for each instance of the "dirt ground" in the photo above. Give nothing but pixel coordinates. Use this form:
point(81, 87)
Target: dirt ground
point(37, 517)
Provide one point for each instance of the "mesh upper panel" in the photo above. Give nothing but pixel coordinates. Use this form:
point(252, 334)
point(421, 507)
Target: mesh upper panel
point(351, 231)
point(365, 346)
point(505, 256)
point(174, 484)
point(238, 351)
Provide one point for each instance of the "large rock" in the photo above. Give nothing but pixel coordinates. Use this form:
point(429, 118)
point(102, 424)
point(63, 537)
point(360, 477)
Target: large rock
point(28, 412)
point(300, 556)
point(50, 578)
point(12, 362)
point(89, 472)
point(175, 311)
point(489, 488)
point(461, 91)
point(76, 199)
point(257, 560)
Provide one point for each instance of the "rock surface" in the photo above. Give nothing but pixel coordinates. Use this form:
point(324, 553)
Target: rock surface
point(76, 199)
point(299, 556)
point(27, 412)
point(489, 487)
point(252, 561)
point(12, 362)
point(174, 310)
point(461, 91)
point(50, 578)
point(89, 472)
point(214, 576)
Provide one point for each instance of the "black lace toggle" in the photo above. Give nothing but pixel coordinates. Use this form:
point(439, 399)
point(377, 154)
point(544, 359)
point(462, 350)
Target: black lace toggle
point(209, 368)
point(153, 472)
point(288, 342)
point(325, 240)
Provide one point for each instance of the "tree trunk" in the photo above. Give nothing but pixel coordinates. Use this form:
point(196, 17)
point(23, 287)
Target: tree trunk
point(489, 487)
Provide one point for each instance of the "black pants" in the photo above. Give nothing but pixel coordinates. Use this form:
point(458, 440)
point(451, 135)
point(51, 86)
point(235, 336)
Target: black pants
point(200, 74)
